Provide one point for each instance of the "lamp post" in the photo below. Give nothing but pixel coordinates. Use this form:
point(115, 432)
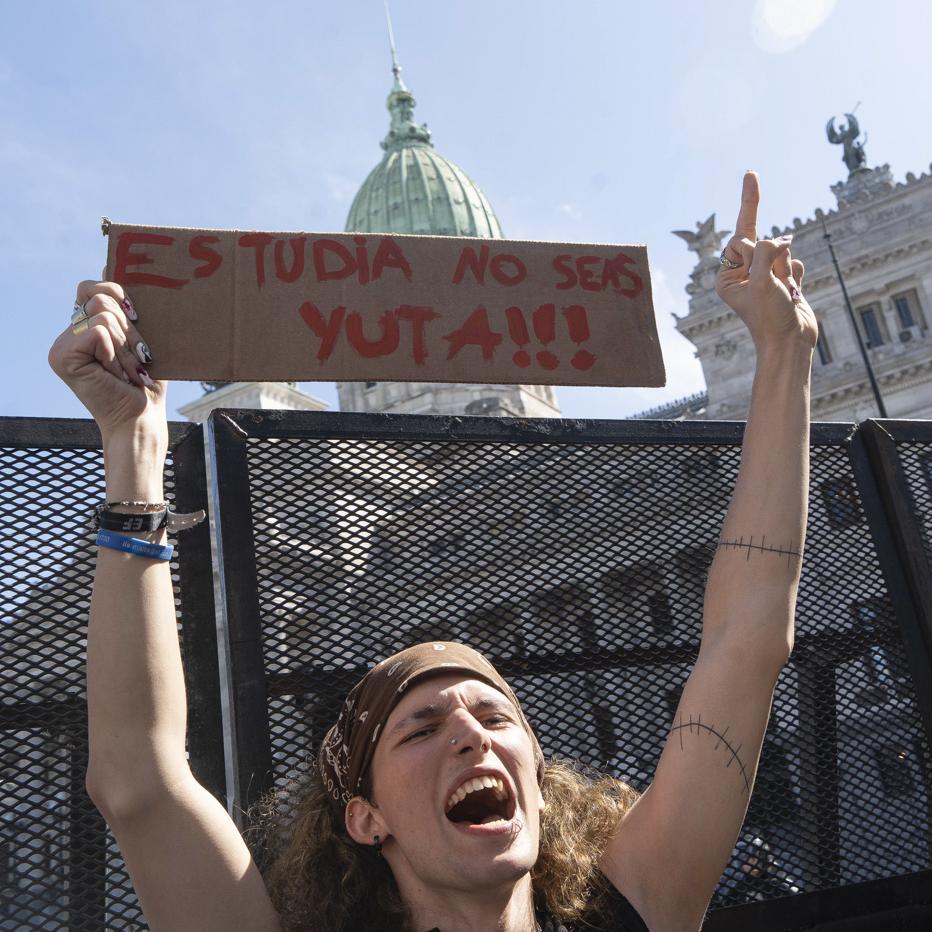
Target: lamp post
point(857, 332)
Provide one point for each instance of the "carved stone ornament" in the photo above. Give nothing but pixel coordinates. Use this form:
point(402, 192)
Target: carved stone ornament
point(726, 348)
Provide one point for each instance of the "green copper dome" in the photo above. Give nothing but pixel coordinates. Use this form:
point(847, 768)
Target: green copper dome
point(414, 189)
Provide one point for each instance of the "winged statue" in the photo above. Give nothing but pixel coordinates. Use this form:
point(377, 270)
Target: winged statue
point(705, 240)
point(854, 154)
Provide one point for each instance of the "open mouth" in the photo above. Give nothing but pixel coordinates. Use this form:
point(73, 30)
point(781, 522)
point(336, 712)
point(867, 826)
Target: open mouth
point(481, 801)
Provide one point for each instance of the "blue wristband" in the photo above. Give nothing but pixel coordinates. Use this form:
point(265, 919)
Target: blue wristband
point(135, 546)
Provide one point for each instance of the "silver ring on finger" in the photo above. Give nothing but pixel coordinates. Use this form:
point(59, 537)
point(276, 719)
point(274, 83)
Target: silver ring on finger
point(79, 319)
point(727, 263)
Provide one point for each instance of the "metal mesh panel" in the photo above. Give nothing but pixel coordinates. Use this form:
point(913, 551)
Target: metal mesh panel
point(579, 568)
point(916, 460)
point(59, 865)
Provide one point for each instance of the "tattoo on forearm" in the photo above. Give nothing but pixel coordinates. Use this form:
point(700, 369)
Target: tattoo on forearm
point(790, 551)
point(698, 727)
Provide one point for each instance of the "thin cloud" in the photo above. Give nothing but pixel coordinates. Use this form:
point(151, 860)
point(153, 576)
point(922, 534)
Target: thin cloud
point(781, 25)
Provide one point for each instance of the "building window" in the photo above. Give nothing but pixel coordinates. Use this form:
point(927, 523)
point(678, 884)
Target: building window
point(925, 465)
point(893, 761)
point(370, 386)
point(639, 590)
point(871, 322)
point(841, 503)
point(908, 310)
point(883, 658)
point(825, 354)
point(564, 614)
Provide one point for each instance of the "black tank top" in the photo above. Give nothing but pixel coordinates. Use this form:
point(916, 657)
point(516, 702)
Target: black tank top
point(625, 918)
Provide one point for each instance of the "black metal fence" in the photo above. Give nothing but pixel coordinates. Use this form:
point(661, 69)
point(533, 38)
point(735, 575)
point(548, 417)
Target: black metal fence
point(573, 553)
point(59, 865)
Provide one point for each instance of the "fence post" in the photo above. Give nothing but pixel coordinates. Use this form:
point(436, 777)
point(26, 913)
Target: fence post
point(198, 619)
point(249, 759)
point(891, 515)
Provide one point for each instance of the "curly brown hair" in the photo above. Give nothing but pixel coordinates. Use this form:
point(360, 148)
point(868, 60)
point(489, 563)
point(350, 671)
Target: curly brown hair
point(320, 880)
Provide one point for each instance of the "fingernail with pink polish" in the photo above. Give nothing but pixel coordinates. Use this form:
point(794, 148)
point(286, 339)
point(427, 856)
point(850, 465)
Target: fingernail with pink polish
point(130, 310)
point(142, 351)
point(145, 377)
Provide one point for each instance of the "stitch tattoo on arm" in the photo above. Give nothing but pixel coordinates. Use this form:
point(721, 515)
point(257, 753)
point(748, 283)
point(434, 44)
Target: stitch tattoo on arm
point(698, 727)
point(763, 547)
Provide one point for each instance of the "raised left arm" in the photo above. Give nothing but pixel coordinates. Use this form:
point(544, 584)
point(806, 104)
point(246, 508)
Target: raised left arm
point(669, 852)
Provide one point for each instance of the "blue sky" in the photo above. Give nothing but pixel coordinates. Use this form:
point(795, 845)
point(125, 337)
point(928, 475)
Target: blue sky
point(589, 120)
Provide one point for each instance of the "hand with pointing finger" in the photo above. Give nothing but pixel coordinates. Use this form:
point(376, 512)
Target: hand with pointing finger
point(761, 281)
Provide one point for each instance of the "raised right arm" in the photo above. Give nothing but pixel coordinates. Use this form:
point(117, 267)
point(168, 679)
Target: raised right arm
point(189, 865)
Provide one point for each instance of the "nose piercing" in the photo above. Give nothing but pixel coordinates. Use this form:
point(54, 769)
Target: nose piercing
point(452, 740)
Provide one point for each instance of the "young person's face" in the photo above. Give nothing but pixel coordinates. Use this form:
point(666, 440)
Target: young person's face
point(487, 839)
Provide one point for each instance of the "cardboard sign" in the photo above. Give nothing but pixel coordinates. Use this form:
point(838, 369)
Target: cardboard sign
point(238, 306)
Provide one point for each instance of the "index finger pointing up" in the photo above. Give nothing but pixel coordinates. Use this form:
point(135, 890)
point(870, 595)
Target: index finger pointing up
point(747, 216)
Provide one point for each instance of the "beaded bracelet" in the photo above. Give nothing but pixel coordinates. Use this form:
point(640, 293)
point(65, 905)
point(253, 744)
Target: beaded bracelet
point(134, 546)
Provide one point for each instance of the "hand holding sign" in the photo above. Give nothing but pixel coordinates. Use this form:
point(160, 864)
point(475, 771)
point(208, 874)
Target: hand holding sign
point(231, 306)
point(105, 366)
point(765, 288)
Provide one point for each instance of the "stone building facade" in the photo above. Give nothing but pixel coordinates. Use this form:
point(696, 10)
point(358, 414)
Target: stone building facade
point(882, 234)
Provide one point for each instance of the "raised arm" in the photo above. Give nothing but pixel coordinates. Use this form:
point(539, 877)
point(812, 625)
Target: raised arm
point(135, 685)
point(135, 688)
point(189, 865)
point(673, 845)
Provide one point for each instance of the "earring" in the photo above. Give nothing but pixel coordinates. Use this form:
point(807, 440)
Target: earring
point(377, 845)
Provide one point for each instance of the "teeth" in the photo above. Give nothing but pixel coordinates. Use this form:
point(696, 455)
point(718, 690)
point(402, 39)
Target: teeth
point(489, 820)
point(476, 784)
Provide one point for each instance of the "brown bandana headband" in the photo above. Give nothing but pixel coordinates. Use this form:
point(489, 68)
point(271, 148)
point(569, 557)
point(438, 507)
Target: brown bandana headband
point(349, 746)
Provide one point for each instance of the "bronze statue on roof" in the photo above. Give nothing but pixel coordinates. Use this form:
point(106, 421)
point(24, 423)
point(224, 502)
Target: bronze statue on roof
point(854, 156)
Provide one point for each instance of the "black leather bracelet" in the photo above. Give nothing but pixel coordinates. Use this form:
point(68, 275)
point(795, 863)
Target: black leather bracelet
point(131, 523)
point(107, 520)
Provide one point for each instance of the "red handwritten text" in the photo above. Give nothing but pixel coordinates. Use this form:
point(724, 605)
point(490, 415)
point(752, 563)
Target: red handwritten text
point(596, 274)
point(125, 257)
point(386, 342)
point(505, 268)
